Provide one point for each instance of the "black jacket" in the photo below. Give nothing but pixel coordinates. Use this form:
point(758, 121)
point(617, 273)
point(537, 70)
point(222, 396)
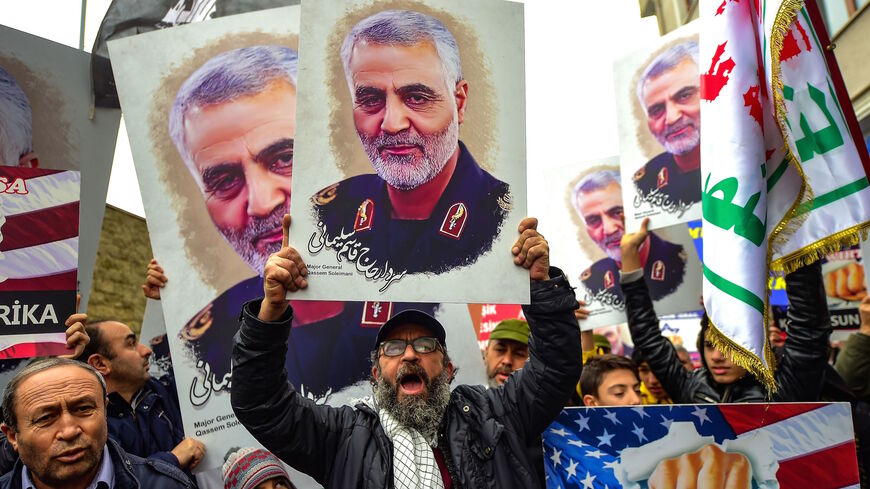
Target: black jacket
point(484, 435)
point(131, 472)
point(801, 372)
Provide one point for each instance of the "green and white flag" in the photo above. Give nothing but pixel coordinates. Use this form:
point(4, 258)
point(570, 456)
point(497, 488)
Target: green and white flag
point(783, 180)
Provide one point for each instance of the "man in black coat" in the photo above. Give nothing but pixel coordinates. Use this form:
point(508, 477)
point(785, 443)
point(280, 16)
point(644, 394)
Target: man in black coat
point(415, 432)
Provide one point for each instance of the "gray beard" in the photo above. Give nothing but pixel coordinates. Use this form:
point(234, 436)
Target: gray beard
point(423, 414)
point(682, 145)
point(406, 172)
point(243, 241)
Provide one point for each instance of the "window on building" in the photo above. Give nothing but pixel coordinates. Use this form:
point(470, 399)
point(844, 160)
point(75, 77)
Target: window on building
point(838, 12)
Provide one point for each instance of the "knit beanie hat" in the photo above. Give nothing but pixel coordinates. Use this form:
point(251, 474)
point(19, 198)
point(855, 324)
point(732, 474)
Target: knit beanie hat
point(247, 467)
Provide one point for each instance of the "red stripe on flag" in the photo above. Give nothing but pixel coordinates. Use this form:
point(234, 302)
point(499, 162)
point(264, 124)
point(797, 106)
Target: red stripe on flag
point(58, 281)
point(30, 350)
point(40, 227)
point(747, 417)
point(26, 173)
point(832, 468)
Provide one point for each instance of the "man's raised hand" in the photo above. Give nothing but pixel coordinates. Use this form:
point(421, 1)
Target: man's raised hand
point(155, 280)
point(630, 247)
point(531, 250)
point(284, 272)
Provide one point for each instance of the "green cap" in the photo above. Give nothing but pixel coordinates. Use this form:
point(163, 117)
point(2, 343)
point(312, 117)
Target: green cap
point(511, 329)
point(601, 342)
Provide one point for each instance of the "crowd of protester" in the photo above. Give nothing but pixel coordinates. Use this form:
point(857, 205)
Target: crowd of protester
point(97, 418)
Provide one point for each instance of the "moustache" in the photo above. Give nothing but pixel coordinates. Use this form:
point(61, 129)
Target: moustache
point(679, 126)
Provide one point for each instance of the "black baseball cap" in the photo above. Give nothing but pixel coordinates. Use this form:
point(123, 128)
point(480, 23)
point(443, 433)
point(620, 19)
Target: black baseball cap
point(412, 316)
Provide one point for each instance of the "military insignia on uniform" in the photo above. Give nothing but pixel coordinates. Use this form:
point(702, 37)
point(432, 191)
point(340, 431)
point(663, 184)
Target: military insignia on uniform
point(375, 314)
point(658, 271)
point(364, 216)
point(608, 279)
point(454, 220)
point(662, 178)
point(638, 175)
point(326, 195)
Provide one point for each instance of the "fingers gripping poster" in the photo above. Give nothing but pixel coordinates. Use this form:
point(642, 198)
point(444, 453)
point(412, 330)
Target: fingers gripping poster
point(210, 111)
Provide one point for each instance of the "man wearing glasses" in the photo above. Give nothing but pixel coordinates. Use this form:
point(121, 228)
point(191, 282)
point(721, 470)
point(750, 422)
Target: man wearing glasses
point(413, 432)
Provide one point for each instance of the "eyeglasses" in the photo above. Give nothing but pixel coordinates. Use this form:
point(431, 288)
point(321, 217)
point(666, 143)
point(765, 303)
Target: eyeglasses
point(394, 348)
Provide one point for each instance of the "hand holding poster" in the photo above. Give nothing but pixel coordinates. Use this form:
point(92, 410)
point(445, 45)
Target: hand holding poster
point(388, 87)
point(589, 195)
point(39, 232)
point(743, 446)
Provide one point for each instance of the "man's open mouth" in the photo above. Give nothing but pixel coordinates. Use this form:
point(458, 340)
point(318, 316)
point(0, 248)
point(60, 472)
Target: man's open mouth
point(411, 383)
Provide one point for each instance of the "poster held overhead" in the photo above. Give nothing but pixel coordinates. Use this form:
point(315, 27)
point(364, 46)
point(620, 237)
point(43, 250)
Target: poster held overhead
point(658, 105)
point(410, 169)
point(586, 198)
point(46, 122)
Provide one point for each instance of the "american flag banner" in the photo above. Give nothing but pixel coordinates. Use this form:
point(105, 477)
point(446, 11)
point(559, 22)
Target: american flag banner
point(763, 446)
point(783, 164)
point(39, 233)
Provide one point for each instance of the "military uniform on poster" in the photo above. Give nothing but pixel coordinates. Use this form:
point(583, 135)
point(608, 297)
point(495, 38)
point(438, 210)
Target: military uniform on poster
point(462, 227)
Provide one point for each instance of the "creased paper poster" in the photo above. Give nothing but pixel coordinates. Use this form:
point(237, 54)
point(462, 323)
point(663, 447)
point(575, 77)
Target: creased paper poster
point(212, 129)
point(410, 175)
point(659, 116)
point(586, 199)
point(46, 123)
point(764, 446)
point(39, 234)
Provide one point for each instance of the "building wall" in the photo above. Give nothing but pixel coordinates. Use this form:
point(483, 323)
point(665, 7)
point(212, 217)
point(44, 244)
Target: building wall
point(851, 43)
point(122, 258)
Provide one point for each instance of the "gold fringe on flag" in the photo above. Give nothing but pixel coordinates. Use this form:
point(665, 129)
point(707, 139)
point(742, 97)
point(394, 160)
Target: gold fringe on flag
point(744, 358)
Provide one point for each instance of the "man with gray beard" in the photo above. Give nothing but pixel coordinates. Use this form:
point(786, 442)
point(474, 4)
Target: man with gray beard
point(414, 432)
point(430, 208)
point(669, 93)
point(233, 123)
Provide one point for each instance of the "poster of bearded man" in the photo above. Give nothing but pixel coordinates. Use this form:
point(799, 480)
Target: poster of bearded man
point(410, 169)
point(659, 118)
point(585, 199)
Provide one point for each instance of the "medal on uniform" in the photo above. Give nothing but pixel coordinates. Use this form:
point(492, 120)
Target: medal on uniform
point(608, 279)
point(375, 314)
point(364, 216)
point(658, 271)
point(662, 179)
point(454, 220)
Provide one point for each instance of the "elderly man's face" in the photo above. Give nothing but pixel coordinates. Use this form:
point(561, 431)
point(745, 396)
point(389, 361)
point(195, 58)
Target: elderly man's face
point(405, 114)
point(243, 151)
point(673, 107)
point(61, 428)
point(603, 215)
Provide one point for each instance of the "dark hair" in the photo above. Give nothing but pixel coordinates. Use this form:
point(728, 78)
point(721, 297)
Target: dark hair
point(9, 396)
point(702, 338)
point(97, 344)
point(595, 368)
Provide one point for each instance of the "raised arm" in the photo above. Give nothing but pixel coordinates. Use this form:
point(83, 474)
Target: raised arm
point(800, 375)
point(643, 323)
point(535, 394)
point(300, 432)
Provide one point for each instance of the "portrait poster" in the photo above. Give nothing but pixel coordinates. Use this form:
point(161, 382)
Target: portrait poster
point(47, 122)
point(211, 129)
point(762, 446)
point(153, 334)
point(39, 231)
point(658, 115)
point(586, 204)
point(423, 206)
